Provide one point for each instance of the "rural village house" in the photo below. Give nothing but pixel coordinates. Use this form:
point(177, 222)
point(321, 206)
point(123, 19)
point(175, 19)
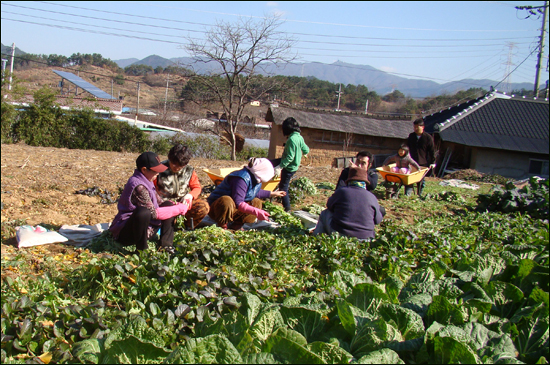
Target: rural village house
point(495, 134)
point(331, 136)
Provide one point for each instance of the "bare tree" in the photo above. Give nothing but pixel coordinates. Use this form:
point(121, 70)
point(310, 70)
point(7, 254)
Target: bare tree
point(348, 138)
point(239, 51)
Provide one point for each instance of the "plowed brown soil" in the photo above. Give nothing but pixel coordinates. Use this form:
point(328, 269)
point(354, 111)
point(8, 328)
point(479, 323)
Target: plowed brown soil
point(39, 183)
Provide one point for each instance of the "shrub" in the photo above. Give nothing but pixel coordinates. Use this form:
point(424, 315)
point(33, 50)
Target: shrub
point(119, 79)
point(42, 123)
point(9, 116)
point(161, 145)
point(204, 146)
point(45, 124)
point(248, 152)
point(531, 199)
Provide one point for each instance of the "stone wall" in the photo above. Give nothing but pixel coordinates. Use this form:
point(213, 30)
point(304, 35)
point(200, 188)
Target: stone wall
point(509, 164)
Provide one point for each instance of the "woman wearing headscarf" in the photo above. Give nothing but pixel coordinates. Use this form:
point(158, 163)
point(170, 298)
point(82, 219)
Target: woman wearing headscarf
point(237, 200)
point(352, 210)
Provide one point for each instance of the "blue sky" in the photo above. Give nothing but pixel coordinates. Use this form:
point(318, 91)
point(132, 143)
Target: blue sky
point(440, 41)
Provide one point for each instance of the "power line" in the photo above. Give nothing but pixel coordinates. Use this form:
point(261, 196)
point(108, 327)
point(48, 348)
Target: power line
point(319, 49)
point(89, 25)
point(182, 44)
point(67, 68)
point(179, 21)
point(92, 31)
point(107, 20)
point(345, 25)
point(209, 25)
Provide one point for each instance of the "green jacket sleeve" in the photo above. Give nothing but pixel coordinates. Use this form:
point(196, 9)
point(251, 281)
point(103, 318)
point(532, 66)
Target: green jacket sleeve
point(289, 154)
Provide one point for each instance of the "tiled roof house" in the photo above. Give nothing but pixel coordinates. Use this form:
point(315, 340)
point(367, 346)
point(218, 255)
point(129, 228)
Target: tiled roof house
point(327, 133)
point(496, 133)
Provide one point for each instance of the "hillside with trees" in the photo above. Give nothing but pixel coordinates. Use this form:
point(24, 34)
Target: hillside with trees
point(35, 71)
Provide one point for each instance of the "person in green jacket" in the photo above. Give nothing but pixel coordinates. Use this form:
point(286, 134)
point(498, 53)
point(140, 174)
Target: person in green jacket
point(288, 164)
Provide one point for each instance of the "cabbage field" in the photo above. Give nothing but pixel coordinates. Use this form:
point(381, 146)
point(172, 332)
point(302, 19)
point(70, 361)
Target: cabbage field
point(467, 283)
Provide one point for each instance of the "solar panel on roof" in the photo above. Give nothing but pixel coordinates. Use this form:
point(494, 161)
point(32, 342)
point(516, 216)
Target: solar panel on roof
point(85, 85)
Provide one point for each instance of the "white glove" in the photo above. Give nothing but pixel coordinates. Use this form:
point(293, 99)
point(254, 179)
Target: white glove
point(432, 166)
point(277, 171)
point(188, 199)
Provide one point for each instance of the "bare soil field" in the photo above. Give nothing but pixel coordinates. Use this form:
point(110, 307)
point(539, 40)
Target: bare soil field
point(39, 183)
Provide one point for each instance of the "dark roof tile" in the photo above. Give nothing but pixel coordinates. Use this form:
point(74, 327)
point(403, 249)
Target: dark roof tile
point(497, 121)
point(350, 123)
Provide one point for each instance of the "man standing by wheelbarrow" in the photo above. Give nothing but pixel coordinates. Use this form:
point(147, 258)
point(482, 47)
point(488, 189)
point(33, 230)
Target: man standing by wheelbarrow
point(422, 150)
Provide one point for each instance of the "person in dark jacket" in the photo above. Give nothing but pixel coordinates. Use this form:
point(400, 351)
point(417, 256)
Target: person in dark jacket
point(363, 159)
point(422, 150)
point(351, 211)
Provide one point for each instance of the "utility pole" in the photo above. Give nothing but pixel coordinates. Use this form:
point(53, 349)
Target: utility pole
point(137, 110)
point(339, 92)
point(541, 49)
point(166, 94)
point(4, 62)
point(531, 11)
point(366, 106)
point(112, 89)
point(11, 66)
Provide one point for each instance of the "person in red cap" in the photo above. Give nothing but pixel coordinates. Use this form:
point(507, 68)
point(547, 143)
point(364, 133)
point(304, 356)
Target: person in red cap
point(352, 210)
point(139, 215)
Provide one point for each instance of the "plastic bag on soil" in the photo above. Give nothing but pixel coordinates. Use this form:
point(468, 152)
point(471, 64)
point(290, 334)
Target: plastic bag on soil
point(28, 236)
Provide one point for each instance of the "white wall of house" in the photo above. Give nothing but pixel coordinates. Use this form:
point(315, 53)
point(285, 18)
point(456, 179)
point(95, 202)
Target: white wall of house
point(509, 164)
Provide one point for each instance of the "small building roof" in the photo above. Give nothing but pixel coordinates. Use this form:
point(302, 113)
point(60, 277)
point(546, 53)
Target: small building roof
point(496, 121)
point(356, 123)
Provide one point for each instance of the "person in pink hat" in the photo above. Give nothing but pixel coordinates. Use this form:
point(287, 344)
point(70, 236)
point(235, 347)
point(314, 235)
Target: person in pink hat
point(237, 200)
point(139, 215)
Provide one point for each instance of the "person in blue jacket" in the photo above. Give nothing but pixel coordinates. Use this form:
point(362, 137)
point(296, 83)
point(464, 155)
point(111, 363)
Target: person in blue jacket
point(237, 199)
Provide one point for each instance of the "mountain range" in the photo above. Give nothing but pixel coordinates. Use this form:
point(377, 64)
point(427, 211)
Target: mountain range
point(337, 72)
point(6, 51)
point(341, 72)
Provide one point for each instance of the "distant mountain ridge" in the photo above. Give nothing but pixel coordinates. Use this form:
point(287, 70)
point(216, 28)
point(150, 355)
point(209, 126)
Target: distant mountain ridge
point(6, 51)
point(337, 72)
point(126, 62)
point(346, 73)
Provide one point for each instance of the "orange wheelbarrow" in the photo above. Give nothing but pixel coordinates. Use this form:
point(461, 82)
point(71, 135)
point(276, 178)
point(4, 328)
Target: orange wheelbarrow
point(217, 176)
point(403, 179)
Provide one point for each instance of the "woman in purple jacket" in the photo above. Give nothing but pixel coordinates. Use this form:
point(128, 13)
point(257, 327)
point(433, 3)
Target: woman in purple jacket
point(236, 200)
point(139, 214)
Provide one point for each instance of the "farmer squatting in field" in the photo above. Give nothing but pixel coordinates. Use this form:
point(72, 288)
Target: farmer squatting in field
point(139, 215)
point(237, 200)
